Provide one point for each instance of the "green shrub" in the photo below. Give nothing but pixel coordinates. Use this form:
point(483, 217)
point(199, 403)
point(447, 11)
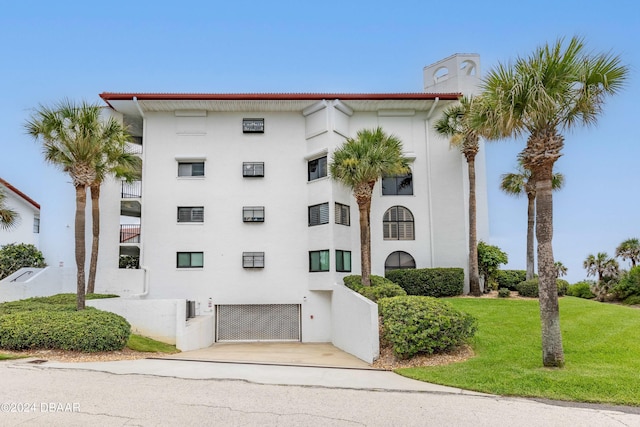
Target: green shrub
point(89, 330)
point(581, 290)
point(59, 302)
point(432, 282)
point(529, 288)
point(386, 290)
point(417, 324)
point(632, 300)
point(380, 287)
point(504, 293)
point(510, 278)
point(629, 284)
point(15, 256)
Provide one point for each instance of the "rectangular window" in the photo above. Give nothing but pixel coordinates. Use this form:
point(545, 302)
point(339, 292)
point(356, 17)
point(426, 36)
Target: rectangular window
point(190, 260)
point(190, 168)
point(190, 214)
point(343, 261)
point(319, 261)
point(400, 185)
point(317, 168)
point(253, 259)
point(343, 215)
point(252, 125)
point(319, 214)
point(253, 169)
point(36, 225)
point(253, 214)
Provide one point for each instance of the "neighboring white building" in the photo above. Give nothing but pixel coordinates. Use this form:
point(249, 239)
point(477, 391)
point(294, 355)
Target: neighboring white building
point(235, 210)
point(27, 229)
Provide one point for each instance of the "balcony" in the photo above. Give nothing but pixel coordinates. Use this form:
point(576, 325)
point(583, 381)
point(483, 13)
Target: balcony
point(129, 233)
point(131, 190)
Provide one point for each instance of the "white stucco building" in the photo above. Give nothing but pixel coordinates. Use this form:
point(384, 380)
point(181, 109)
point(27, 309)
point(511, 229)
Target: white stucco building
point(27, 228)
point(235, 210)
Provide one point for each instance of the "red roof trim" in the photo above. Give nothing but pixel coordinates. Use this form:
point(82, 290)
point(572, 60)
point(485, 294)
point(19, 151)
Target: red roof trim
point(20, 193)
point(109, 96)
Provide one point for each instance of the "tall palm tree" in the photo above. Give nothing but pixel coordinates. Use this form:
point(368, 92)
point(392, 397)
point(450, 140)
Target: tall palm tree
point(522, 182)
point(114, 161)
point(73, 138)
point(8, 217)
point(454, 124)
point(629, 250)
point(605, 268)
point(558, 87)
point(358, 164)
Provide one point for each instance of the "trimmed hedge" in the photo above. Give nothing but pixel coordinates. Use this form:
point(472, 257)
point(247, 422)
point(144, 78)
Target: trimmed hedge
point(529, 288)
point(418, 324)
point(581, 290)
point(504, 293)
point(89, 330)
point(380, 287)
point(431, 282)
point(510, 278)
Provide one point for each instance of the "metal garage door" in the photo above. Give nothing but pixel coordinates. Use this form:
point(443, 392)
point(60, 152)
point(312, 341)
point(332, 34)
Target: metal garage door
point(258, 322)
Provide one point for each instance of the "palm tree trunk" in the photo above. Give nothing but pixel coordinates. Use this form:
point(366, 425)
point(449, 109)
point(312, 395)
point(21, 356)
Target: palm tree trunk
point(552, 352)
point(531, 220)
point(363, 193)
point(474, 275)
point(81, 204)
point(95, 219)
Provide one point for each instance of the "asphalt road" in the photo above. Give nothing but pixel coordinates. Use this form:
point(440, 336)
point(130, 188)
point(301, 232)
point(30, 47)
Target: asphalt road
point(32, 395)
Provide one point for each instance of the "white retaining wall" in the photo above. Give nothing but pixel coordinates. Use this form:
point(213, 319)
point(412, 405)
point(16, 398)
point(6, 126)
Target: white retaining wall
point(354, 324)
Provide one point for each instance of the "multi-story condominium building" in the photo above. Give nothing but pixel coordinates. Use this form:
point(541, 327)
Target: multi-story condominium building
point(237, 212)
point(27, 226)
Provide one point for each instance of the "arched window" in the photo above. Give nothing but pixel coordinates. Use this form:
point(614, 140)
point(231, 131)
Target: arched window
point(397, 224)
point(399, 260)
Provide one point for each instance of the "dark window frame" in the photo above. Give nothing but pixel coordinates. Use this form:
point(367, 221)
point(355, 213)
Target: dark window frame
point(193, 173)
point(252, 218)
point(399, 265)
point(319, 261)
point(253, 125)
point(340, 261)
point(320, 218)
point(342, 214)
point(252, 259)
point(389, 224)
point(317, 168)
point(191, 214)
point(251, 166)
point(398, 185)
point(190, 260)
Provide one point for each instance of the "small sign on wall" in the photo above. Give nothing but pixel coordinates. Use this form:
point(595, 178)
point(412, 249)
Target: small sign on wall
point(252, 125)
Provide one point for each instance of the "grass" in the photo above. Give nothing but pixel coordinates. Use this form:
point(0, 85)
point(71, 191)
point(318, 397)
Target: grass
point(601, 344)
point(140, 343)
point(10, 357)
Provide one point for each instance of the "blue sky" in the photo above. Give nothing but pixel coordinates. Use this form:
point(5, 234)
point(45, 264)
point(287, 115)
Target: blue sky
point(78, 49)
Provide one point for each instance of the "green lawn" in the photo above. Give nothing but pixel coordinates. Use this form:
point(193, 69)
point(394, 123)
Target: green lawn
point(140, 343)
point(601, 344)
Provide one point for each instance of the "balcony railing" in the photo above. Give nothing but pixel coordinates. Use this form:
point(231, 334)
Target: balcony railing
point(129, 233)
point(133, 148)
point(131, 190)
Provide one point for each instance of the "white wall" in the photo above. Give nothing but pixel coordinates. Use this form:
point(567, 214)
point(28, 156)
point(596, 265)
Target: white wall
point(23, 231)
point(49, 281)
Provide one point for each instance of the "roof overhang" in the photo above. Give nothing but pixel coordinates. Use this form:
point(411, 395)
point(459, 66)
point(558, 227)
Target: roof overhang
point(20, 194)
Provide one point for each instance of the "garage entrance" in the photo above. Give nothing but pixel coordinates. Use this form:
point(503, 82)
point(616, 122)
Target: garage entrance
point(258, 322)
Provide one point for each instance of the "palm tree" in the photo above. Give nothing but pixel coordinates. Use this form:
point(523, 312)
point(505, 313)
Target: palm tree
point(114, 160)
point(561, 270)
point(605, 268)
point(522, 182)
point(8, 217)
point(629, 250)
point(73, 138)
point(556, 88)
point(454, 124)
point(358, 164)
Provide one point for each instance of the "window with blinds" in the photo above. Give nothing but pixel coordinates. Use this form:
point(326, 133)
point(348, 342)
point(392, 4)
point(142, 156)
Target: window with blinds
point(343, 215)
point(190, 168)
point(398, 224)
point(253, 259)
point(253, 214)
point(253, 169)
point(319, 214)
point(190, 214)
